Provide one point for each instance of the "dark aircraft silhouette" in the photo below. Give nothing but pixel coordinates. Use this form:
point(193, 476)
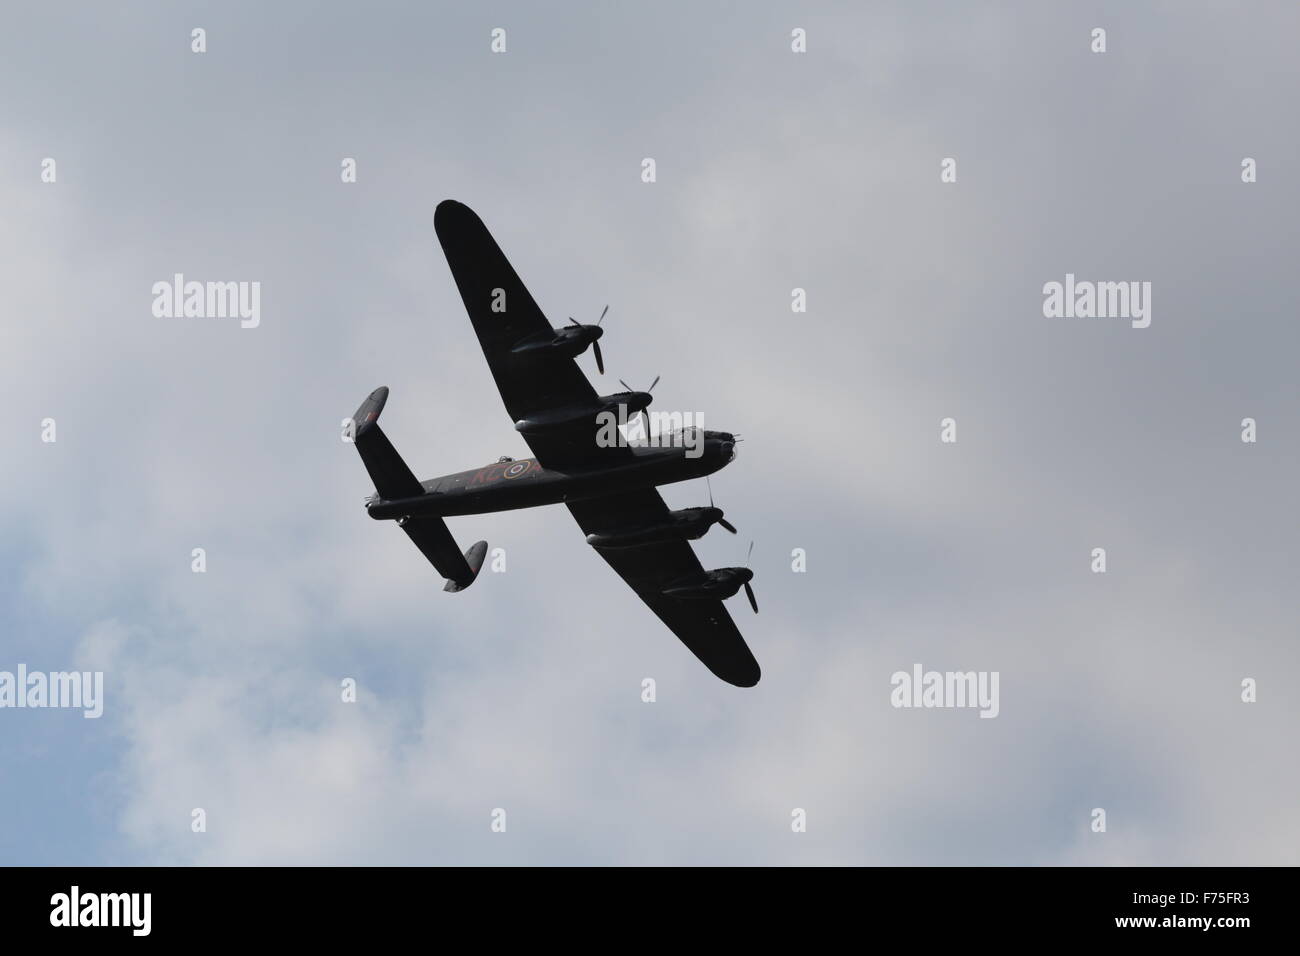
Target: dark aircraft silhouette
point(610, 490)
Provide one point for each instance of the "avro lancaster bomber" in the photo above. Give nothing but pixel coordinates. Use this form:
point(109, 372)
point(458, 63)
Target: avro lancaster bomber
point(610, 487)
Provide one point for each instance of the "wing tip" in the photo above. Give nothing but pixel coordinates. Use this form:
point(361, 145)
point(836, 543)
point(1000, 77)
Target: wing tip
point(743, 677)
point(449, 210)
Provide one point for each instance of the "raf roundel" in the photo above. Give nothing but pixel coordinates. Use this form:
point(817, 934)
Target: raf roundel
point(517, 469)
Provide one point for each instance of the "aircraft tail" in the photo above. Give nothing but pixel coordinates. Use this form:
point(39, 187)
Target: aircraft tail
point(387, 470)
point(394, 480)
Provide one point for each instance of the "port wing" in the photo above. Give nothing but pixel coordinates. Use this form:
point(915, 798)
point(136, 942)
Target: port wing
point(504, 313)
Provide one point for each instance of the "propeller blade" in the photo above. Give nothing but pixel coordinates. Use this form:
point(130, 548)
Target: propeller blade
point(721, 520)
point(749, 593)
point(750, 555)
point(602, 317)
point(600, 362)
point(631, 389)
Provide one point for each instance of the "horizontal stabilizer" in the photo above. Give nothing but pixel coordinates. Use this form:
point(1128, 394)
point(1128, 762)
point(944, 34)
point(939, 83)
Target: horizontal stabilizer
point(474, 559)
point(387, 470)
point(435, 542)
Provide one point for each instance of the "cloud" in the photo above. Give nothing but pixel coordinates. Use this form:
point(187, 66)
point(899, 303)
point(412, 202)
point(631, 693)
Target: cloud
point(1119, 691)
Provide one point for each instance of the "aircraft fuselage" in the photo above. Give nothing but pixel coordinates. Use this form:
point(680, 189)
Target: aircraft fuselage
point(509, 485)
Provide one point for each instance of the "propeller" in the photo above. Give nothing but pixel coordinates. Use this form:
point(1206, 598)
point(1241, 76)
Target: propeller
point(721, 520)
point(749, 591)
point(643, 411)
point(595, 343)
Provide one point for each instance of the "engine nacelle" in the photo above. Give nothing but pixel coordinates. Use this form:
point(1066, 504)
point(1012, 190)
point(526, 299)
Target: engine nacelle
point(567, 417)
point(719, 584)
point(684, 525)
point(633, 402)
point(568, 341)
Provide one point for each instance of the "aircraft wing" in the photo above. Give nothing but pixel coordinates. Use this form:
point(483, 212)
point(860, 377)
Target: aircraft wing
point(703, 625)
point(529, 383)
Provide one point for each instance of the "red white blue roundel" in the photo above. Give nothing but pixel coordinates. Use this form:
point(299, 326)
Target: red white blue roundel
point(517, 469)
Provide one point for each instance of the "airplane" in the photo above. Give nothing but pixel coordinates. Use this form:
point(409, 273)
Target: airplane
point(610, 487)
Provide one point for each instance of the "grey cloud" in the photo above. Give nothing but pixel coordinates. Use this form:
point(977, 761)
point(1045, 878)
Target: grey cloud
point(775, 171)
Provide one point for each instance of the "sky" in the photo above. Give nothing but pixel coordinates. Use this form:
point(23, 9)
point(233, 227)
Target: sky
point(775, 170)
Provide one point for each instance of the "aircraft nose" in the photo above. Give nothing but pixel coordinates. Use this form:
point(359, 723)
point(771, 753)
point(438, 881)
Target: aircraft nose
point(729, 449)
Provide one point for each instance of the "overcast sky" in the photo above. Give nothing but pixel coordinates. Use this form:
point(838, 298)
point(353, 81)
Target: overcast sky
point(775, 170)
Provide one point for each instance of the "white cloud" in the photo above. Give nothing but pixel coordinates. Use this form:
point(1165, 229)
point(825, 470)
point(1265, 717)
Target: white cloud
point(1118, 691)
